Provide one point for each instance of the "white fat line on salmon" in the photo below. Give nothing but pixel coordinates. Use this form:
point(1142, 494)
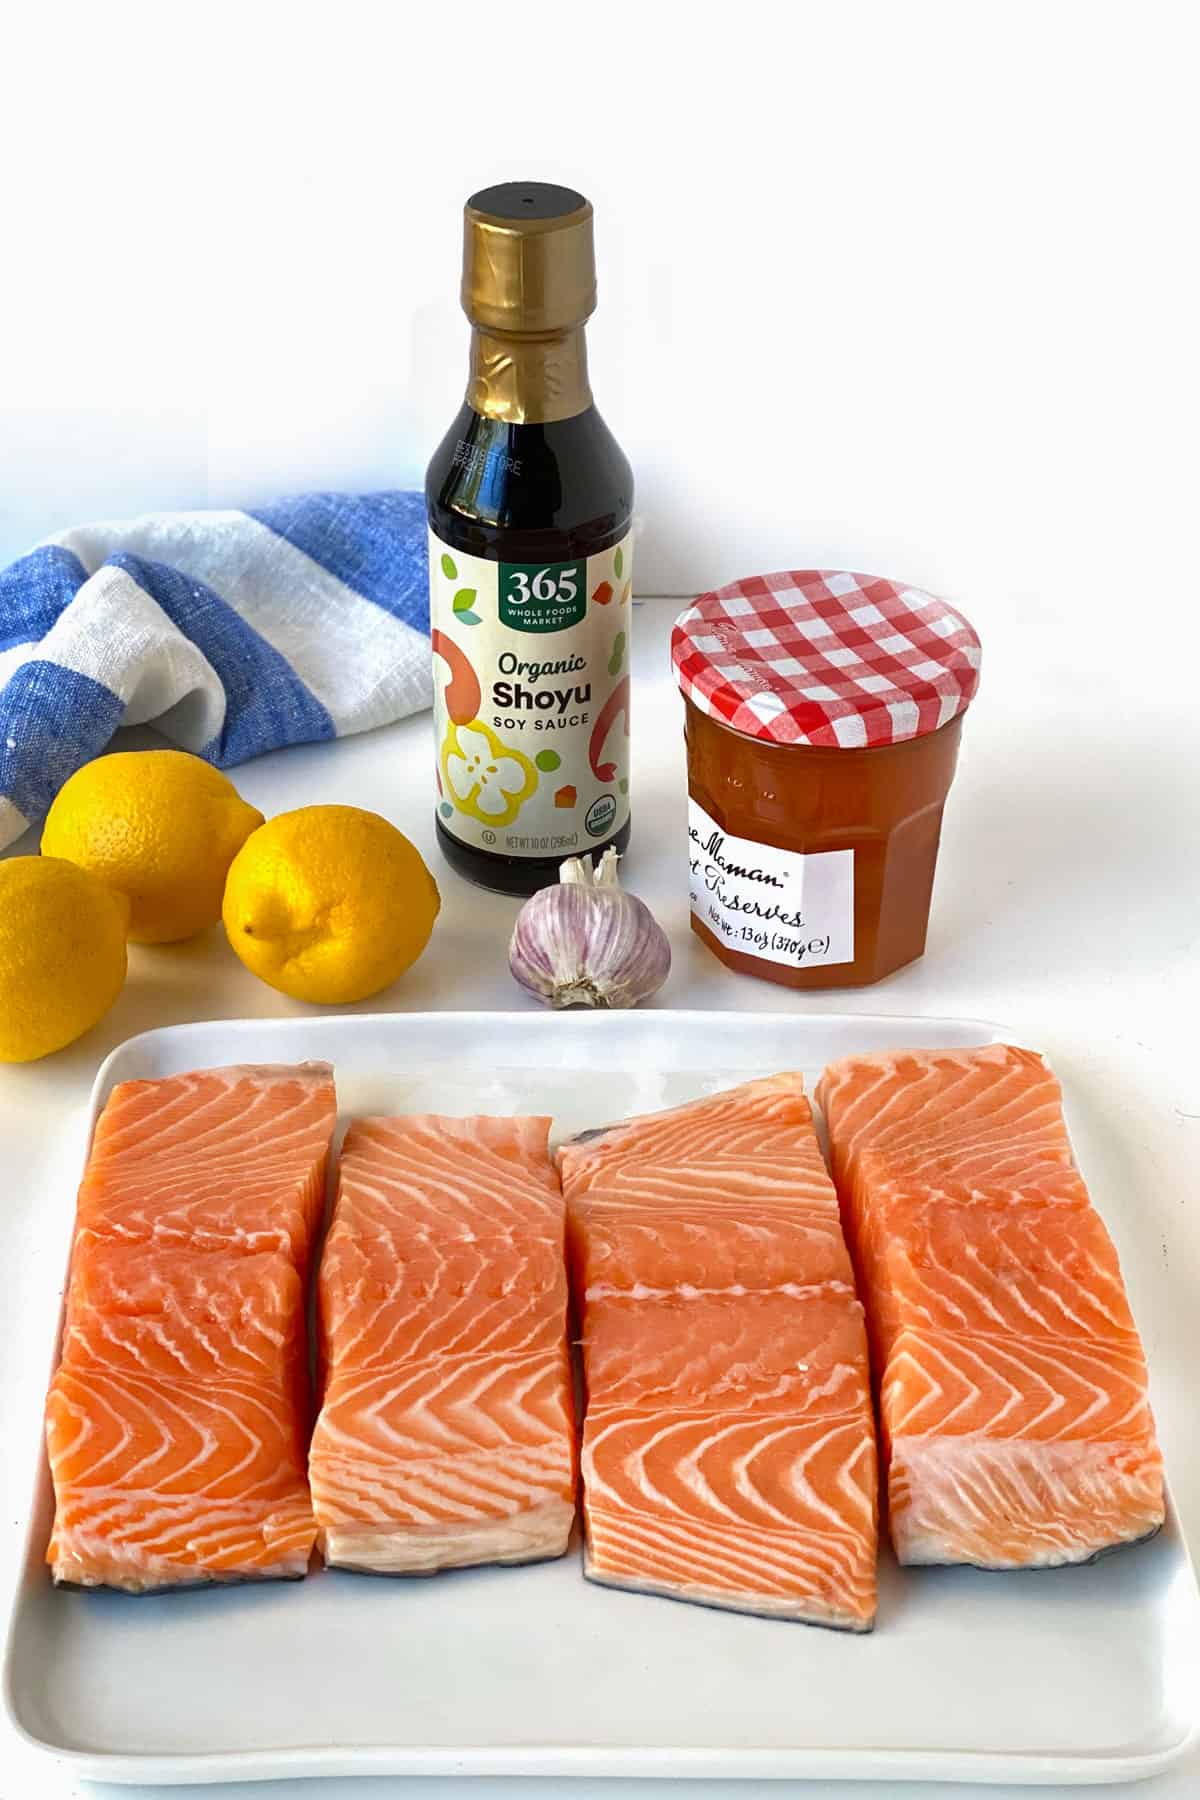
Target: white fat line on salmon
point(604, 1290)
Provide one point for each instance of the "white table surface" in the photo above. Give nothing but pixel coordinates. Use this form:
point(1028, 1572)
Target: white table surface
point(1067, 906)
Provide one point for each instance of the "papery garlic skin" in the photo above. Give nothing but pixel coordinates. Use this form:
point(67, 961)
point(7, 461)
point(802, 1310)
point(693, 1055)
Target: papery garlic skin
point(586, 942)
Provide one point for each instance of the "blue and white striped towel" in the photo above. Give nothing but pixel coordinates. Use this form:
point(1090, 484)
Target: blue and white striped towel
point(231, 632)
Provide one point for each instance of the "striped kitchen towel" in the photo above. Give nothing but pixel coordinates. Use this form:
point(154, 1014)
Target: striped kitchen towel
point(230, 632)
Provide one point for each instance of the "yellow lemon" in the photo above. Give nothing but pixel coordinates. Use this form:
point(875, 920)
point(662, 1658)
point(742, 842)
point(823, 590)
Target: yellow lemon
point(329, 904)
point(62, 954)
point(160, 826)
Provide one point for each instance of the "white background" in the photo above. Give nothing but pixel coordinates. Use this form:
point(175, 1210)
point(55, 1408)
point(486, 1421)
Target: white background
point(907, 288)
point(902, 287)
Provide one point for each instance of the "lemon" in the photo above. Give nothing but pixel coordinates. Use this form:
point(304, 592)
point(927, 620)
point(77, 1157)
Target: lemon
point(160, 826)
point(62, 954)
point(329, 904)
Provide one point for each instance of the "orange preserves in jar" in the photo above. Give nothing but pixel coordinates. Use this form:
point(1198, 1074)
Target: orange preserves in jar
point(823, 716)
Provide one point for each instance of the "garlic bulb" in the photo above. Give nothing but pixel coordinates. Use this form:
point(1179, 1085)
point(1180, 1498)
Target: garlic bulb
point(587, 942)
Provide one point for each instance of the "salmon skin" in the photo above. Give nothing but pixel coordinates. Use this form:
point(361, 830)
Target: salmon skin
point(1012, 1382)
point(728, 1445)
point(177, 1420)
point(446, 1434)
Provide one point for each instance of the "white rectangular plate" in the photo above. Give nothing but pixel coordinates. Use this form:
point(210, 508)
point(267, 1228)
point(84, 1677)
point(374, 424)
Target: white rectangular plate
point(1069, 1675)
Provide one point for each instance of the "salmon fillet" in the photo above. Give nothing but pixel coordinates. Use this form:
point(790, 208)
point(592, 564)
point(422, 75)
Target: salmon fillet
point(177, 1421)
point(728, 1446)
point(446, 1434)
point(1012, 1383)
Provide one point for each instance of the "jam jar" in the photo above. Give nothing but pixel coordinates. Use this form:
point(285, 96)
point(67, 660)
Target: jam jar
point(823, 712)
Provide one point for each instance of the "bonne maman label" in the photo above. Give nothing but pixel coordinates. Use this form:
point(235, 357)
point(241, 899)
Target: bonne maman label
point(779, 905)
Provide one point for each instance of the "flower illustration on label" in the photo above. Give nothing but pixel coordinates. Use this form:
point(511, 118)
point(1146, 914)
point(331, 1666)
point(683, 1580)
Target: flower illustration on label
point(487, 779)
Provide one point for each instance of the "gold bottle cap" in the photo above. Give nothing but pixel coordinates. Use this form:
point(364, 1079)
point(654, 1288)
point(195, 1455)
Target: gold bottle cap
point(528, 261)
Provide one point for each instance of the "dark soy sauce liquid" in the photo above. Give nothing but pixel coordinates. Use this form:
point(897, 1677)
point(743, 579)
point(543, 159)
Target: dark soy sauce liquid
point(542, 493)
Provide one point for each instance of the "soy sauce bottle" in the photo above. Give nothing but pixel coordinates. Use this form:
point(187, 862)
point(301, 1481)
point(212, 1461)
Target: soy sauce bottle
point(530, 560)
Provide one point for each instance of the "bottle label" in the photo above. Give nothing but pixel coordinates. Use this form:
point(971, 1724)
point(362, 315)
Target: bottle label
point(531, 699)
point(779, 905)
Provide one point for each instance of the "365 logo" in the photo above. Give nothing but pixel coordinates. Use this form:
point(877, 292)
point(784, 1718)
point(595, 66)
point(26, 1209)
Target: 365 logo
point(542, 597)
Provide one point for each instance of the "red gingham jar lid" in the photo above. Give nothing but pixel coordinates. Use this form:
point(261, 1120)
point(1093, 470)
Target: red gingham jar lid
point(819, 656)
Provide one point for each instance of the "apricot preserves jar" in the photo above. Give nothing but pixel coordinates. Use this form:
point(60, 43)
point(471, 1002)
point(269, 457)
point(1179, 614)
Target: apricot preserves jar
point(823, 712)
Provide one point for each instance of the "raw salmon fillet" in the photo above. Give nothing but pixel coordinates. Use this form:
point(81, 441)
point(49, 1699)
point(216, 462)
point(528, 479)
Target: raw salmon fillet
point(728, 1447)
point(1012, 1383)
point(177, 1421)
point(446, 1434)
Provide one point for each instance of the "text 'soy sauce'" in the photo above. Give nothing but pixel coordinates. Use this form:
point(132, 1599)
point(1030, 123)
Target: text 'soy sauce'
point(823, 715)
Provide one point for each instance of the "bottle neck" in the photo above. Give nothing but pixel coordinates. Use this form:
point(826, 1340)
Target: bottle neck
point(528, 380)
